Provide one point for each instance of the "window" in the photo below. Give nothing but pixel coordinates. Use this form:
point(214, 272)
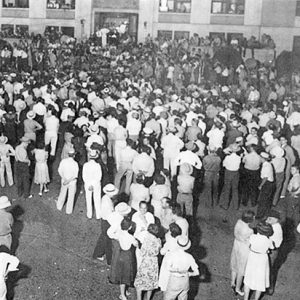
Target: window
point(179, 35)
point(61, 4)
point(298, 8)
point(177, 6)
point(16, 3)
point(234, 7)
point(69, 31)
point(165, 34)
point(22, 31)
point(7, 30)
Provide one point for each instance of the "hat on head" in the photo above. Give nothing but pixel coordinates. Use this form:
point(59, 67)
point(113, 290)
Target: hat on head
point(3, 139)
point(234, 148)
point(183, 242)
point(93, 153)
point(298, 228)
point(186, 168)
point(67, 102)
point(274, 214)
point(71, 151)
point(239, 139)
point(277, 152)
point(123, 208)
point(25, 139)
point(31, 115)
point(94, 129)
point(190, 146)
point(174, 97)
point(147, 110)
point(147, 131)
point(110, 190)
point(4, 202)
point(265, 229)
point(272, 115)
point(265, 155)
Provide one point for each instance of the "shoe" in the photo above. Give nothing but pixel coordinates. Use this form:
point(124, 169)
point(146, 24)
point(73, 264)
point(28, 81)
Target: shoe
point(30, 196)
point(221, 206)
point(122, 297)
point(270, 291)
point(101, 258)
point(40, 194)
point(46, 190)
point(233, 289)
point(240, 293)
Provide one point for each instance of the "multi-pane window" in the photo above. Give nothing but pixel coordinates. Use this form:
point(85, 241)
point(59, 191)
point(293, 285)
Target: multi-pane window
point(69, 31)
point(22, 30)
point(61, 4)
point(165, 34)
point(235, 7)
point(7, 30)
point(177, 6)
point(16, 3)
point(298, 8)
point(179, 35)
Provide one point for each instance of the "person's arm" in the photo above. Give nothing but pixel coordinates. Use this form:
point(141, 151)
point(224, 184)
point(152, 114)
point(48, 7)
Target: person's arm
point(194, 267)
point(264, 180)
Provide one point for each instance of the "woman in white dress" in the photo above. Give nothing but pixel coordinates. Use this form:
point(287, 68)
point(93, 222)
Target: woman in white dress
point(257, 273)
point(41, 173)
point(240, 250)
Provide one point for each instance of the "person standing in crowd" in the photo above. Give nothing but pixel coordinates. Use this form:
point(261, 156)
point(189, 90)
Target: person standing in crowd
point(257, 272)
point(147, 272)
point(273, 219)
point(240, 250)
point(123, 265)
point(22, 169)
point(41, 173)
point(104, 246)
point(180, 270)
point(6, 151)
point(266, 186)
point(51, 129)
point(91, 175)
point(250, 181)
point(138, 192)
point(212, 165)
point(68, 171)
point(231, 164)
point(6, 222)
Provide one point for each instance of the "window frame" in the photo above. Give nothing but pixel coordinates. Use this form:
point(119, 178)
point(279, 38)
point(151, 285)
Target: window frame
point(297, 12)
point(17, 4)
point(64, 7)
point(175, 5)
point(227, 4)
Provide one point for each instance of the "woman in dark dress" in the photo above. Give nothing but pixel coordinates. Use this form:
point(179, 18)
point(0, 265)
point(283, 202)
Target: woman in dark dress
point(123, 265)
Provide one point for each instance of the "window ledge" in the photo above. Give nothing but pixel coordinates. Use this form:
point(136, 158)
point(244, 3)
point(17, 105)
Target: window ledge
point(227, 15)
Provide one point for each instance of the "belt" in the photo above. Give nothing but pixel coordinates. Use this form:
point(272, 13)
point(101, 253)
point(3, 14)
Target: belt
point(5, 234)
point(176, 274)
point(257, 252)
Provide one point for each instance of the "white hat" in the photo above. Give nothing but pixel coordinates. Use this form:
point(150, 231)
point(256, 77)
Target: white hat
point(94, 129)
point(298, 228)
point(147, 131)
point(123, 208)
point(277, 151)
point(3, 139)
point(31, 115)
point(110, 190)
point(4, 202)
point(265, 155)
point(184, 242)
point(93, 153)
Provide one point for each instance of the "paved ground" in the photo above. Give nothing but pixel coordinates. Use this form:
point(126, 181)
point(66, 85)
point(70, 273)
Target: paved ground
point(56, 252)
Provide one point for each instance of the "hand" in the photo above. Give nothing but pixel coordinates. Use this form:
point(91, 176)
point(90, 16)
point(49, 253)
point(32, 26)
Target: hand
point(91, 188)
point(259, 187)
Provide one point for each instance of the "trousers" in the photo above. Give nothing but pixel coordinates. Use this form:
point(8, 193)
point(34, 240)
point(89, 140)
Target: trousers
point(210, 188)
point(124, 170)
point(22, 179)
point(51, 138)
point(93, 196)
point(231, 184)
point(5, 166)
point(265, 199)
point(177, 288)
point(69, 189)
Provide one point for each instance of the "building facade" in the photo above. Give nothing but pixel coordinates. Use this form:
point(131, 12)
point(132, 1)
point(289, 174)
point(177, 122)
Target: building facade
point(171, 18)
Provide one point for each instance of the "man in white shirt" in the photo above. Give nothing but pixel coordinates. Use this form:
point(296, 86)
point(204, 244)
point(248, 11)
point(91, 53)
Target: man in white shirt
point(172, 146)
point(231, 163)
point(127, 156)
point(178, 283)
point(134, 126)
point(51, 130)
point(68, 171)
point(276, 238)
point(189, 156)
point(104, 246)
point(92, 175)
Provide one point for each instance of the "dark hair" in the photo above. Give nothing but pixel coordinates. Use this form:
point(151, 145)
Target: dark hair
point(130, 142)
point(176, 210)
point(175, 230)
point(248, 216)
point(153, 229)
point(140, 178)
point(40, 145)
point(126, 223)
point(159, 179)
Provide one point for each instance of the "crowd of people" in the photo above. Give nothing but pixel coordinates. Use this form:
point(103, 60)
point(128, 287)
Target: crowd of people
point(152, 134)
